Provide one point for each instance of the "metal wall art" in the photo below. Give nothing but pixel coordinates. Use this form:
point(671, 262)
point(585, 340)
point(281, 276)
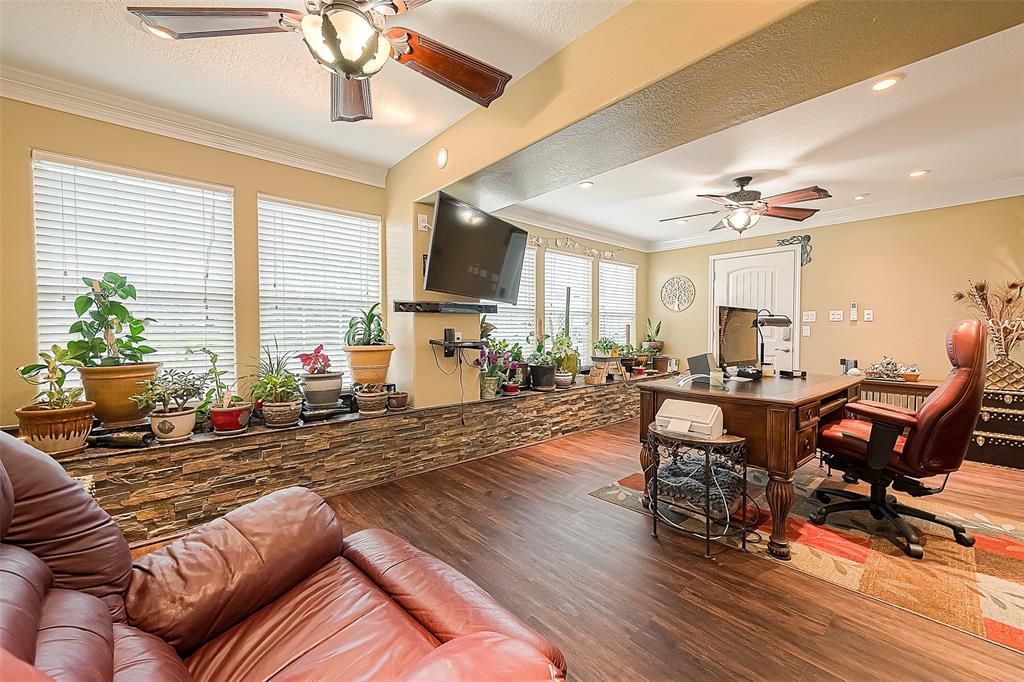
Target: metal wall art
point(805, 246)
point(677, 293)
point(570, 244)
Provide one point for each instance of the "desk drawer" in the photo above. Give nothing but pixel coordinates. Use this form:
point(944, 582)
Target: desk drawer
point(807, 415)
point(806, 443)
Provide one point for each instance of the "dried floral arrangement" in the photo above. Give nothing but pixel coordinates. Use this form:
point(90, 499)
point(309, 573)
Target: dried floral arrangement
point(1002, 310)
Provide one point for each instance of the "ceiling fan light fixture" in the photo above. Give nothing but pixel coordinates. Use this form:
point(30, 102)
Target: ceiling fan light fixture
point(347, 42)
point(742, 218)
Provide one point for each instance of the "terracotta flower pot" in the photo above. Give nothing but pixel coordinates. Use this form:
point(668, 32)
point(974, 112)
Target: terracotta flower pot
point(56, 432)
point(171, 427)
point(488, 388)
point(280, 415)
point(233, 419)
point(111, 388)
point(369, 363)
point(371, 403)
point(660, 364)
point(398, 400)
point(322, 390)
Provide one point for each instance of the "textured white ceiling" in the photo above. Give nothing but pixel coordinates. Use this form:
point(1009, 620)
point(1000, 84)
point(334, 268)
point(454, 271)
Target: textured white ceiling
point(269, 84)
point(959, 113)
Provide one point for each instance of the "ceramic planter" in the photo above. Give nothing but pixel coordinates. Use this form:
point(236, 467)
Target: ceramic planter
point(228, 420)
point(280, 415)
point(172, 427)
point(489, 387)
point(56, 432)
point(542, 377)
point(563, 379)
point(372, 403)
point(369, 363)
point(111, 388)
point(511, 388)
point(627, 364)
point(638, 371)
point(398, 400)
point(660, 364)
point(658, 346)
point(322, 390)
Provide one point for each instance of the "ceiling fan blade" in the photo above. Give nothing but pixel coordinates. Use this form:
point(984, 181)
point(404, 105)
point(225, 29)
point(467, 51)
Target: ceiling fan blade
point(467, 76)
point(350, 99)
point(790, 212)
point(180, 23)
point(720, 226)
point(797, 195)
point(681, 217)
point(718, 198)
point(391, 7)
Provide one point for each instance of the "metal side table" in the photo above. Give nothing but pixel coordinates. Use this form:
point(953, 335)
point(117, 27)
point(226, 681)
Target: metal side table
point(730, 448)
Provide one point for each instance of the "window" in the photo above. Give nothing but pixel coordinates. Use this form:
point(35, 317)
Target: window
point(617, 301)
point(515, 322)
point(172, 239)
point(562, 270)
point(318, 268)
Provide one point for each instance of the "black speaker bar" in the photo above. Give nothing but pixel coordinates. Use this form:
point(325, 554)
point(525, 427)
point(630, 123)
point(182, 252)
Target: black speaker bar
point(445, 307)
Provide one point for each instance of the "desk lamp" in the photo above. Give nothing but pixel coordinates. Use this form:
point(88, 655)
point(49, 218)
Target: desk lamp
point(769, 320)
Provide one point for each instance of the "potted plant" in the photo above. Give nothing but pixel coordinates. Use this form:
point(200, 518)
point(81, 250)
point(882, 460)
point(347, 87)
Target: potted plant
point(321, 386)
point(660, 364)
point(229, 413)
point(567, 359)
point(398, 400)
point(372, 399)
point(517, 377)
point(651, 338)
point(59, 421)
point(111, 350)
point(368, 349)
point(627, 357)
point(605, 348)
point(542, 364)
point(486, 329)
point(166, 397)
point(494, 371)
point(277, 390)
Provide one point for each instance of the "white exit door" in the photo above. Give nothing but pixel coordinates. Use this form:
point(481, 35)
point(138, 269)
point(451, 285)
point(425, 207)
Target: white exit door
point(762, 279)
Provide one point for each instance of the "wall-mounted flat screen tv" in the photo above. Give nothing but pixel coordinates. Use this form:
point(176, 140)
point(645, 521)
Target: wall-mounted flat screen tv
point(474, 254)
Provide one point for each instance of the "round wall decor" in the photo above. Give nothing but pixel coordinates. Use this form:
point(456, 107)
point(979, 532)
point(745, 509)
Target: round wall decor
point(677, 293)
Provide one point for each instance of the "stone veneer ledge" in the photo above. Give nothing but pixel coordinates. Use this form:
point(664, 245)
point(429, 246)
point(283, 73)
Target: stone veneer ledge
point(163, 490)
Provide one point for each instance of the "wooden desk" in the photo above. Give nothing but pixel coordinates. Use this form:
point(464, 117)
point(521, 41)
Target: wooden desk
point(778, 417)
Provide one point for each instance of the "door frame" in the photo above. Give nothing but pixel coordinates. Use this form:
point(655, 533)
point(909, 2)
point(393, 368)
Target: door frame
point(793, 249)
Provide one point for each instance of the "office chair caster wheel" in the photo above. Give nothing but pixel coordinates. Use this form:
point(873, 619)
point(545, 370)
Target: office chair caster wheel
point(965, 539)
point(915, 551)
point(817, 518)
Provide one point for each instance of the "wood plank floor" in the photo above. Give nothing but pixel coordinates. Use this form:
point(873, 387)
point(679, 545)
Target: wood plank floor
point(624, 606)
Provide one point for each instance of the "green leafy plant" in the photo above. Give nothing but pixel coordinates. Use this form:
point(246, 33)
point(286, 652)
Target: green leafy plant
point(367, 328)
point(370, 388)
point(540, 356)
point(111, 335)
point(605, 346)
point(171, 390)
point(653, 330)
point(218, 392)
point(502, 346)
point(52, 373)
point(274, 382)
point(486, 328)
point(567, 357)
point(628, 351)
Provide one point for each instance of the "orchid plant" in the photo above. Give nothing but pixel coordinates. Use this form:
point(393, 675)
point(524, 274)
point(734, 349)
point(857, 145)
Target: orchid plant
point(494, 364)
point(316, 362)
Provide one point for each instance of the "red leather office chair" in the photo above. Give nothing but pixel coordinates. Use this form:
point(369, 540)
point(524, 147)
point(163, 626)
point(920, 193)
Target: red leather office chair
point(898, 446)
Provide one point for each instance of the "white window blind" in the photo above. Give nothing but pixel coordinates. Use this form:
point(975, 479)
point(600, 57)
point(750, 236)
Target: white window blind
point(563, 270)
point(515, 322)
point(172, 239)
point(318, 268)
point(617, 301)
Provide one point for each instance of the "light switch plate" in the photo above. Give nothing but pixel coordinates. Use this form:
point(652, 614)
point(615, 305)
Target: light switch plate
point(835, 316)
point(869, 314)
point(421, 223)
point(810, 316)
point(805, 330)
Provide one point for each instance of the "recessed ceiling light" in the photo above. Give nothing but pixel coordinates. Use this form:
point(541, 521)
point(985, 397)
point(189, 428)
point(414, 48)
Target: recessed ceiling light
point(886, 83)
point(158, 32)
point(681, 221)
point(861, 197)
point(442, 157)
point(919, 172)
point(586, 184)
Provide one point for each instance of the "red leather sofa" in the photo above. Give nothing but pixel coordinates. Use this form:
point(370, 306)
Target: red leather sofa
point(271, 590)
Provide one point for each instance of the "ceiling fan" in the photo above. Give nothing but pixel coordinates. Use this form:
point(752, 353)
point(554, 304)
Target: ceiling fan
point(745, 207)
point(346, 37)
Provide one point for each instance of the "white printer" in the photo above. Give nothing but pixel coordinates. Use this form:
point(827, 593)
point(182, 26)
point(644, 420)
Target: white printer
point(689, 418)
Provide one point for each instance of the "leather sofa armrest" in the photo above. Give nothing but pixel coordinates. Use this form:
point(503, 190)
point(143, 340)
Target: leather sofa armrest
point(879, 412)
point(483, 656)
point(195, 588)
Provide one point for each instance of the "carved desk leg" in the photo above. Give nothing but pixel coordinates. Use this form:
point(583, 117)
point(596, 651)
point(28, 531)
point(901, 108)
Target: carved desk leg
point(780, 501)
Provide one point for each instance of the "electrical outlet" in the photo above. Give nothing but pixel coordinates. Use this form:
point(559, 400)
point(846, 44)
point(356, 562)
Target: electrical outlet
point(835, 316)
point(805, 330)
point(869, 314)
point(810, 316)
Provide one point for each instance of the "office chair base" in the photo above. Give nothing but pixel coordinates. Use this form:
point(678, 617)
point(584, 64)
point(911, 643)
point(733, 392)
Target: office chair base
point(883, 506)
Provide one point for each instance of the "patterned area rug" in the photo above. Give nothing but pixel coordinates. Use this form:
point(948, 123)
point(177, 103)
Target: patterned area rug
point(977, 589)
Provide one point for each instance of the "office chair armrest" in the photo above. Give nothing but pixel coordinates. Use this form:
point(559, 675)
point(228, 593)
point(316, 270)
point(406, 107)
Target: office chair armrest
point(879, 412)
point(886, 406)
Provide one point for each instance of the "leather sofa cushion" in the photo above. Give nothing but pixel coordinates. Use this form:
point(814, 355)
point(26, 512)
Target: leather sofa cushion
point(483, 656)
point(142, 657)
point(195, 588)
point(335, 625)
point(75, 640)
point(58, 521)
point(445, 602)
point(24, 582)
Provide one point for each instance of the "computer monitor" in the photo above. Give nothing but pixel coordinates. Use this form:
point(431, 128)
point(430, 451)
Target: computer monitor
point(737, 337)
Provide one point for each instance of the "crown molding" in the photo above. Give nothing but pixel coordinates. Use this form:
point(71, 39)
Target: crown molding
point(572, 228)
point(52, 93)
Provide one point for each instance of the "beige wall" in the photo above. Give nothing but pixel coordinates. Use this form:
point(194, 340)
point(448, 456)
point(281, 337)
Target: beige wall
point(903, 267)
point(24, 127)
